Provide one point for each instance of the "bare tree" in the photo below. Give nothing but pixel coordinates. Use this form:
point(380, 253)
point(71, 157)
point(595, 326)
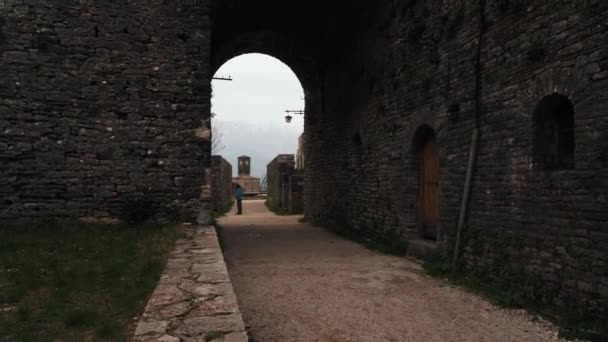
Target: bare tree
point(216, 136)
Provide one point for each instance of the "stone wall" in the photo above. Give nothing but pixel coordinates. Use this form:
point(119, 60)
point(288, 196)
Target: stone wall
point(221, 183)
point(300, 157)
point(279, 173)
point(296, 193)
point(102, 101)
point(542, 229)
point(105, 101)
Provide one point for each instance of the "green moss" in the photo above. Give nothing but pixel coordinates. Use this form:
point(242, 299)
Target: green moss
point(214, 335)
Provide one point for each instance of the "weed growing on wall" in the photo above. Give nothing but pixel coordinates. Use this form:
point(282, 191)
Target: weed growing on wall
point(493, 265)
point(225, 209)
point(276, 208)
point(372, 236)
point(137, 210)
point(455, 24)
point(416, 33)
point(536, 52)
point(511, 6)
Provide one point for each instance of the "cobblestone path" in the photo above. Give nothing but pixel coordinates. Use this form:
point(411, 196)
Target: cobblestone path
point(294, 282)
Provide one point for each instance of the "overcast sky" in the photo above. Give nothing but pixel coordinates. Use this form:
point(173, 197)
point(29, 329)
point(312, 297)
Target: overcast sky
point(250, 110)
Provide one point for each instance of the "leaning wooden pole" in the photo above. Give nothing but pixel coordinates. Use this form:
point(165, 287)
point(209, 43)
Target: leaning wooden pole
point(465, 197)
point(474, 140)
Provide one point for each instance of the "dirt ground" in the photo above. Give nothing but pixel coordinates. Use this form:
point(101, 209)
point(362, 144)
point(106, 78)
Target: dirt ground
point(295, 282)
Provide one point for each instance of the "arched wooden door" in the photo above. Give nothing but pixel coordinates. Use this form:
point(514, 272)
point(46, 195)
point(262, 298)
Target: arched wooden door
point(428, 187)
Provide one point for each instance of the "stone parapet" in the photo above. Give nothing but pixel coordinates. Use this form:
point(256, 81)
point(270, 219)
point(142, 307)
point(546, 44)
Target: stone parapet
point(194, 300)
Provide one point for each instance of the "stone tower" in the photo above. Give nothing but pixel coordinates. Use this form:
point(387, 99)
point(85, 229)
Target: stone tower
point(244, 166)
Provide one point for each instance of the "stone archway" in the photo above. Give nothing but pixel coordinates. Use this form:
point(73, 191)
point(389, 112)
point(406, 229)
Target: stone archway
point(287, 49)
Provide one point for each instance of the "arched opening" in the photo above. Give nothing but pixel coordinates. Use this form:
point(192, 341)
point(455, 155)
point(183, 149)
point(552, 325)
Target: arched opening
point(554, 135)
point(251, 93)
point(426, 152)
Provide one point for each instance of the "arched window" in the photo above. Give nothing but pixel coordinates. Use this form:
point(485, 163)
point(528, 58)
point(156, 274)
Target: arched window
point(554, 142)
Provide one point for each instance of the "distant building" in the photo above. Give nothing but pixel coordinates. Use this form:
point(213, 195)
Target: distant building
point(244, 179)
point(285, 185)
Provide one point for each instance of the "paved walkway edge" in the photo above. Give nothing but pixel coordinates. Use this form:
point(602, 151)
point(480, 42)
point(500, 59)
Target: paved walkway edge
point(194, 299)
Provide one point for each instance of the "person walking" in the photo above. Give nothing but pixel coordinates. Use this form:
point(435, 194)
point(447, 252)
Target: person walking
point(239, 200)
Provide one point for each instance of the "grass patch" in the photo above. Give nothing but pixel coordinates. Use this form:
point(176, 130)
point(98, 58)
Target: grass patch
point(77, 281)
point(214, 221)
point(372, 236)
point(439, 267)
point(276, 209)
point(219, 230)
point(518, 295)
point(387, 241)
point(221, 212)
point(136, 211)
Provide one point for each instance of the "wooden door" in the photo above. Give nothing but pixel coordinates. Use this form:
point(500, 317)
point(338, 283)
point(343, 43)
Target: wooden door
point(428, 188)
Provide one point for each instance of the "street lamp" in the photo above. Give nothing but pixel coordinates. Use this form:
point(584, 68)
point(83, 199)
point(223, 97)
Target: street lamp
point(288, 117)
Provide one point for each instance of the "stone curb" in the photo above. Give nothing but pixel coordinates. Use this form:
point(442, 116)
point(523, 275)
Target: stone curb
point(194, 299)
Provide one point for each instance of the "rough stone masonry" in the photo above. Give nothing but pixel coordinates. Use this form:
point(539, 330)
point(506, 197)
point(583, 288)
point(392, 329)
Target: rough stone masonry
point(102, 101)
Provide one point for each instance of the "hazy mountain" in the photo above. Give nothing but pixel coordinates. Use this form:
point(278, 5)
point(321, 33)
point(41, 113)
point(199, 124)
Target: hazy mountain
point(261, 143)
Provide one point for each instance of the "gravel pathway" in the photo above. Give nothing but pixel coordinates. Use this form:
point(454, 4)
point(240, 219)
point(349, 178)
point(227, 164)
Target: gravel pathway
point(295, 282)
